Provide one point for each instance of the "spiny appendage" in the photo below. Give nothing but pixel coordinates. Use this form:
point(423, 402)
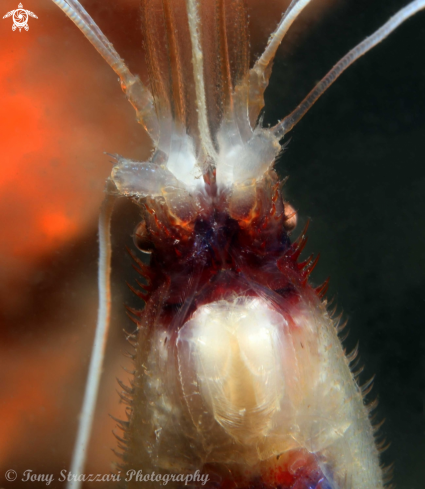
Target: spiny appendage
point(139, 317)
point(205, 262)
point(352, 358)
point(353, 361)
point(245, 234)
point(145, 290)
point(133, 395)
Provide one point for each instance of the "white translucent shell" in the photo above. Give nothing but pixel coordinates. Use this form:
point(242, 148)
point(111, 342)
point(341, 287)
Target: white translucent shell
point(243, 382)
point(143, 179)
point(232, 353)
point(237, 161)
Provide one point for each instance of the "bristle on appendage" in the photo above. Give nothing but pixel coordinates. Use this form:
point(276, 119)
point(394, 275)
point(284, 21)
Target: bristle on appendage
point(132, 318)
point(136, 312)
point(357, 372)
point(353, 354)
point(122, 425)
point(378, 426)
point(343, 337)
point(307, 262)
point(144, 270)
point(299, 244)
point(125, 399)
point(241, 397)
point(372, 406)
point(367, 387)
point(127, 390)
point(308, 267)
point(321, 290)
point(354, 365)
point(298, 248)
point(139, 293)
point(132, 357)
point(388, 472)
point(340, 326)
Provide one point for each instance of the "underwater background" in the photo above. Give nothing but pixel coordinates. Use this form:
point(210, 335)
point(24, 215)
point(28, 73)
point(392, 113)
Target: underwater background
point(356, 164)
point(356, 167)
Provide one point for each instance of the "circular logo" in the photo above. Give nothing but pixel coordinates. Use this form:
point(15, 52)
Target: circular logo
point(20, 17)
point(11, 475)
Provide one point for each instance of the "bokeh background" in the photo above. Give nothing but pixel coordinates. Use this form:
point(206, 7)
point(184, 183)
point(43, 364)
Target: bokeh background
point(356, 166)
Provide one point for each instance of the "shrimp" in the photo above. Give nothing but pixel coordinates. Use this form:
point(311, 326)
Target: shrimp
point(233, 345)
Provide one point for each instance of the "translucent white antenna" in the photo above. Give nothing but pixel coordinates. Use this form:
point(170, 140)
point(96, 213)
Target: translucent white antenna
point(295, 116)
point(101, 335)
point(260, 73)
point(292, 12)
point(198, 74)
point(138, 95)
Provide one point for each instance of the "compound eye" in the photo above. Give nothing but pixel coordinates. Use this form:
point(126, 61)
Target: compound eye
point(291, 218)
point(141, 238)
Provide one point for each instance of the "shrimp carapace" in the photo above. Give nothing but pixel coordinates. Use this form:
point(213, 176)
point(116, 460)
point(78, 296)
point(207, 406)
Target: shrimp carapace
point(239, 371)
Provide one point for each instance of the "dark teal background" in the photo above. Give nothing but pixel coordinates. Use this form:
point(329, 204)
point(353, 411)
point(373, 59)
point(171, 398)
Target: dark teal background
point(357, 169)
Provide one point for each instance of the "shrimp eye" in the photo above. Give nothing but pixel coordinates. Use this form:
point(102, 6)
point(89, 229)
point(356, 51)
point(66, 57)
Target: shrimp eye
point(291, 217)
point(141, 238)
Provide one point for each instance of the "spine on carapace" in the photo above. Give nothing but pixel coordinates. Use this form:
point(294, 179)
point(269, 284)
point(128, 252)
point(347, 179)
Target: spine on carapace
point(225, 279)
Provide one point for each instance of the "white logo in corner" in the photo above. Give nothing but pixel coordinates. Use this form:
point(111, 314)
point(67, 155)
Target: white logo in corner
point(20, 18)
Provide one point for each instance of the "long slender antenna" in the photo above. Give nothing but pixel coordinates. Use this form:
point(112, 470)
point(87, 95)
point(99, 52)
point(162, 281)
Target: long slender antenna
point(294, 9)
point(101, 335)
point(260, 73)
point(138, 95)
point(198, 74)
point(294, 117)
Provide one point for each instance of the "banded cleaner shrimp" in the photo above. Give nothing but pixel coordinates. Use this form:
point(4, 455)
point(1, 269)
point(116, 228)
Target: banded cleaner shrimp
point(295, 180)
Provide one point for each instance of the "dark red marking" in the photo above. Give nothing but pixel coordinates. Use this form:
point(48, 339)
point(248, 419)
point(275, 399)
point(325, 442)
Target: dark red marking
point(216, 257)
point(296, 469)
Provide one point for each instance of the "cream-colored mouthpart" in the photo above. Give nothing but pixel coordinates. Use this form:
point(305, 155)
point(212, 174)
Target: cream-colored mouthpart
point(235, 350)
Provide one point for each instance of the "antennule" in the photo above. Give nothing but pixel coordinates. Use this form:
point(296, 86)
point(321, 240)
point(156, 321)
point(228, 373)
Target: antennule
point(198, 74)
point(260, 73)
point(138, 95)
point(292, 12)
point(295, 116)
